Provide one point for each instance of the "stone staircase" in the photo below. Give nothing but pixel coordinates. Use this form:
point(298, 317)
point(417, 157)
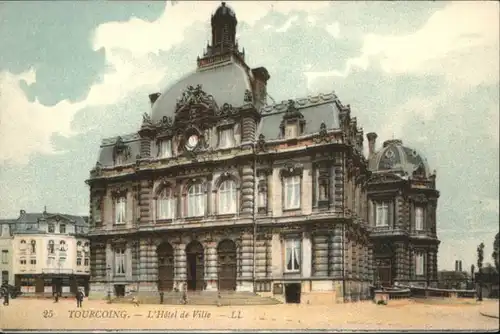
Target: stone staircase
point(224, 298)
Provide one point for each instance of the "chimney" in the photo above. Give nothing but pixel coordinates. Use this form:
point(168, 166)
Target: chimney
point(456, 265)
point(153, 97)
point(460, 265)
point(372, 137)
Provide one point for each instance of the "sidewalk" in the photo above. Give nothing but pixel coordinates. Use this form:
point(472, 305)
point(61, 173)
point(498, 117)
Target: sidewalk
point(490, 308)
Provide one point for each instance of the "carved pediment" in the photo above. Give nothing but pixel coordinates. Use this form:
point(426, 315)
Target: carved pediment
point(118, 241)
point(58, 218)
point(323, 135)
point(226, 110)
point(292, 114)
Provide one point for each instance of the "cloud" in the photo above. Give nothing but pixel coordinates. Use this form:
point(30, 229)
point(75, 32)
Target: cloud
point(461, 42)
point(27, 126)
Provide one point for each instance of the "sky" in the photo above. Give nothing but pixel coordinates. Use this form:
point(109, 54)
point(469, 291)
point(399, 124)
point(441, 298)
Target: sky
point(72, 73)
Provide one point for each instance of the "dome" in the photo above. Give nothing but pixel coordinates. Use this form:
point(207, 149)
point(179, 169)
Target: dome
point(227, 84)
point(399, 159)
point(223, 9)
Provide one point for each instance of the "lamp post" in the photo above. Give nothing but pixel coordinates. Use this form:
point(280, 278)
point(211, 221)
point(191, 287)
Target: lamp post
point(108, 269)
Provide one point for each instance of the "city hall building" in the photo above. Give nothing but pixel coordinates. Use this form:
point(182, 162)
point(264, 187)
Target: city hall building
point(220, 189)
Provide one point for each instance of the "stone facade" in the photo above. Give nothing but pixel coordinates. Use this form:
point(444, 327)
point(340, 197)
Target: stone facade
point(219, 190)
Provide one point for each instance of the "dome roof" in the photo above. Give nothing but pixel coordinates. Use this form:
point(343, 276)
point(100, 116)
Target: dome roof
point(223, 9)
point(227, 84)
point(399, 159)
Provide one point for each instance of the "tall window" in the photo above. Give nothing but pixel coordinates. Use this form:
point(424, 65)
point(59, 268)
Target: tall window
point(292, 192)
point(196, 200)
point(120, 261)
point(62, 246)
point(120, 210)
point(51, 261)
point(22, 262)
point(164, 149)
point(382, 214)
point(52, 228)
point(119, 159)
point(227, 197)
point(165, 205)
point(78, 261)
point(22, 245)
point(5, 256)
point(97, 209)
point(62, 228)
point(33, 247)
point(226, 137)
point(292, 255)
point(51, 247)
point(419, 264)
point(262, 204)
point(291, 130)
point(5, 276)
point(419, 218)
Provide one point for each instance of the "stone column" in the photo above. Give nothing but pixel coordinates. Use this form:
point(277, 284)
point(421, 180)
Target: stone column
point(246, 263)
point(180, 271)
point(269, 256)
point(261, 255)
point(145, 199)
point(335, 256)
point(247, 190)
point(109, 259)
point(370, 262)
point(211, 266)
point(320, 255)
point(399, 266)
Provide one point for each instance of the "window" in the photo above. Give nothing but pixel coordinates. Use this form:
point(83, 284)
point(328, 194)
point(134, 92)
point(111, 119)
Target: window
point(382, 214)
point(262, 199)
point(86, 247)
point(292, 255)
point(165, 205)
point(120, 210)
point(87, 262)
point(61, 261)
point(227, 197)
point(419, 218)
point(33, 247)
point(22, 262)
point(51, 228)
point(51, 261)
point(33, 262)
point(165, 149)
point(62, 246)
point(78, 261)
point(291, 131)
point(5, 277)
point(119, 159)
point(79, 246)
point(22, 245)
point(120, 261)
point(62, 228)
point(5, 256)
point(51, 247)
point(226, 138)
point(196, 200)
point(292, 192)
point(419, 264)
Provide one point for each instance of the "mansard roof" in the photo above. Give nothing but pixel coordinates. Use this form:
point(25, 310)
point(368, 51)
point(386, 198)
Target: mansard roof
point(314, 109)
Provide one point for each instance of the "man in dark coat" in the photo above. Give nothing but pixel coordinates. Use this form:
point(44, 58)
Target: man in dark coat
point(6, 297)
point(79, 298)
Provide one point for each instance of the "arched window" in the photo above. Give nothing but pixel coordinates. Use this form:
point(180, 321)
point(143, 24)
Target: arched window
point(79, 246)
point(62, 246)
point(196, 200)
point(227, 197)
point(22, 245)
point(165, 205)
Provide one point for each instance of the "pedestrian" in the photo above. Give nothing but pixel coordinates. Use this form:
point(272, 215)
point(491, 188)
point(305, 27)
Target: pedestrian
point(161, 296)
point(79, 298)
point(6, 298)
point(56, 297)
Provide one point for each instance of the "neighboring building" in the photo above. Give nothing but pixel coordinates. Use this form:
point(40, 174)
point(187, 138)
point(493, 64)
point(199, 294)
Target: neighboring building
point(402, 201)
point(220, 190)
point(49, 252)
point(453, 279)
point(6, 249)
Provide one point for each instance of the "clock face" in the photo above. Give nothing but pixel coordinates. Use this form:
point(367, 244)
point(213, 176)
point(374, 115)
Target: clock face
point(192, 141)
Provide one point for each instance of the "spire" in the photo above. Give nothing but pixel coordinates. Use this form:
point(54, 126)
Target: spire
point(223, 29)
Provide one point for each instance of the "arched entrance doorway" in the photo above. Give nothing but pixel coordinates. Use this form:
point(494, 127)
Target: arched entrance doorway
point(195, 265)
point(226, 256)
point(165, 256)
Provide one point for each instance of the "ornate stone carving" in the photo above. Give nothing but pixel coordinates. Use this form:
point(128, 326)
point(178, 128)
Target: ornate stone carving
point(323, 135)
point(421, 198)
point(119, 192)
point(226, 110)
point(383, 178)
point(248, 96)
point(194, 95)
point(261, 143)
point(121, 148)
point(291, 169)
